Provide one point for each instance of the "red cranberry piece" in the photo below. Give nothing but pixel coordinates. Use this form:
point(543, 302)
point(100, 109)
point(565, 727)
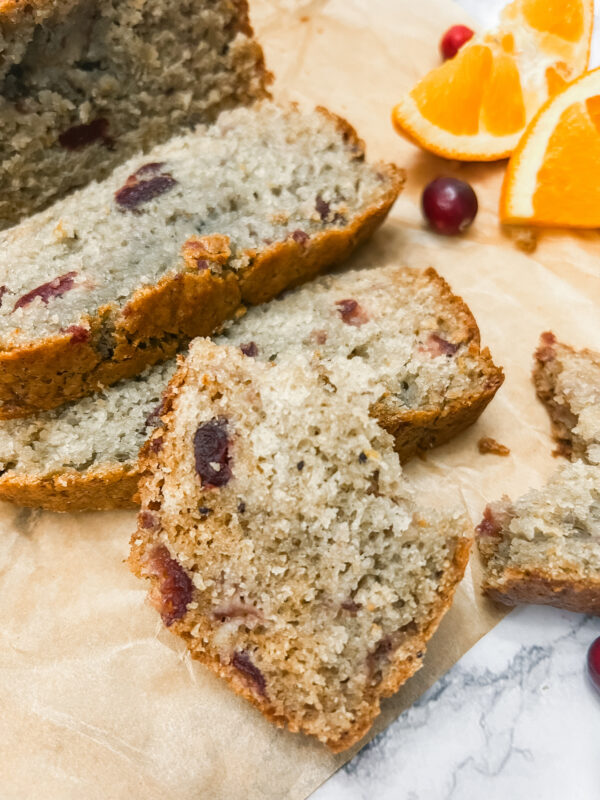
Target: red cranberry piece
point(3, 291)
point(82, 135)
point(301, 237)
point(449, 205)
point(46, 291)
point(149, 170)
point(546, 350)
point(79, 334)
point(351, 312)
point(173, 590)
point(241, 661)
point(211, 452)
point(453, 40)
point(130, 197)
point(147, 519)
point(249, 349)
point(593, 663)
point(322, 207)
point(489, 525)
point(153, 418)
point(438, 346)
point(156, 444)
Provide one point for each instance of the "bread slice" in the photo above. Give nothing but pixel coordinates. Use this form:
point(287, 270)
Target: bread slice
point(568, 383)
point(282, 543)
point(120, 274)
point(86, 85)
point(545, 547)
point(412, 345)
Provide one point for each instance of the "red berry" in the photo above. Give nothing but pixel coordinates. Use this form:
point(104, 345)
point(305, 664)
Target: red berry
point(449, 205)
point(593, 663)
point(453, 40)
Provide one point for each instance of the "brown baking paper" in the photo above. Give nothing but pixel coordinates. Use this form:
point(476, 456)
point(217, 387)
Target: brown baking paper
point(97, 700)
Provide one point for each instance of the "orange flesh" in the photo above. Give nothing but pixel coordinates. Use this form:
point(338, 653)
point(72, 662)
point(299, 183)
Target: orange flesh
point(568, 182)
point(503, 110)
point(451, 95)
point(564, 18)
point(554, 79)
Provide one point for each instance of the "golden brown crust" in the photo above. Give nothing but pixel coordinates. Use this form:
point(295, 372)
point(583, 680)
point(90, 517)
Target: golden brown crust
point(521, 586)
point(159, 319)
point(407, 658)
point(107, 487)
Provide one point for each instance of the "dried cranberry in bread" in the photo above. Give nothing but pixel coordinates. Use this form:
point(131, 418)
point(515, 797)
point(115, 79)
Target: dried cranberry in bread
point(282, 543)
point(86, 85)
point(412, 346)
point(545, 547)
point(120, 274)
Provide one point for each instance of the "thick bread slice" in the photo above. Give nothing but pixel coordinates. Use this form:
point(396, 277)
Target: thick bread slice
point(545, 547)
point(119, 275)
point(568, 383)
point(84, 86)
point(282, 544)
point(412, 345)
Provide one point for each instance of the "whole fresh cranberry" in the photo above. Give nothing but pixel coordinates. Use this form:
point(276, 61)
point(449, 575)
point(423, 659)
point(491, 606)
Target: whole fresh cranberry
point(453, 40)
point(593, 663)
point(449, 205)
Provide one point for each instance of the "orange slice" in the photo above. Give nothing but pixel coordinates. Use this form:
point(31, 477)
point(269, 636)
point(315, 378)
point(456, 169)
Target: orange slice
point(553, 177)
point(475, 106)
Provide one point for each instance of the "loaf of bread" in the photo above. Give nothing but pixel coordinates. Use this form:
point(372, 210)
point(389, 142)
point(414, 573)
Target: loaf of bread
point(87, 85)
point(282, 543)
point(545, 547)
point(412, 345)
point(119, 275)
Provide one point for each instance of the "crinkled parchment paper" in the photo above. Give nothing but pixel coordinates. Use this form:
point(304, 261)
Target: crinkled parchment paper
point(97, 701)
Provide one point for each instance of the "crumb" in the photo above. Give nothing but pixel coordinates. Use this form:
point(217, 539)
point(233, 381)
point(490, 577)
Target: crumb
point(305, 18)
point(488, 445)
point(525, 239)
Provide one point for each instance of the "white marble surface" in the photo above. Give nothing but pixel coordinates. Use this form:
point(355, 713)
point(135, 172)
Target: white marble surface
point(515, 719)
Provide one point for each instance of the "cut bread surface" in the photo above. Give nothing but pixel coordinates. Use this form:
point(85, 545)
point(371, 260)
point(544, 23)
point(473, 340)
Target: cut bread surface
point(414, 356)
point(83, 86)
point(119, 274)
point(545, 547)
point(412, 345)
point(282, 543)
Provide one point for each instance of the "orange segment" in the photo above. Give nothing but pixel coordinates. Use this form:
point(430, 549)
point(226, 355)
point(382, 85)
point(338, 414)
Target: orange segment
point(451, 96)
point(475, 106)
point(553, 177)
point(564, 18)
point(503, 110)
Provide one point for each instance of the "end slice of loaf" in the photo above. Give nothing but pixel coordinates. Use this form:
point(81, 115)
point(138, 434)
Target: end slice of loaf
point(545, 547)
point(282, 544)
point(411, 345)
point(84, 86)
point(120, 274)
point(568, 383)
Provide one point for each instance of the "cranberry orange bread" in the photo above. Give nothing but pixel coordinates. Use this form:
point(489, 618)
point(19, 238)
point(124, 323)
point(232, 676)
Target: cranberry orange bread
point(282, 544)
point(568, 383)
point(83, 455)
point(85, 85)
point(118, 275)
point(545, 547)
point(413, 348)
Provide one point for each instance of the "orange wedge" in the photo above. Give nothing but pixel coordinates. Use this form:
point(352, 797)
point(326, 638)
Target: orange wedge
point(476, 106)
point(553, 177)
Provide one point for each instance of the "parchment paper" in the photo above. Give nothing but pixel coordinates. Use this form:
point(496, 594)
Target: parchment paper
point(96, 700)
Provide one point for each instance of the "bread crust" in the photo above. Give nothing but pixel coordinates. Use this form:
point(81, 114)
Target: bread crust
point(160, 319)
point(542, 588)
point(407, 658)
point(107, 487)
